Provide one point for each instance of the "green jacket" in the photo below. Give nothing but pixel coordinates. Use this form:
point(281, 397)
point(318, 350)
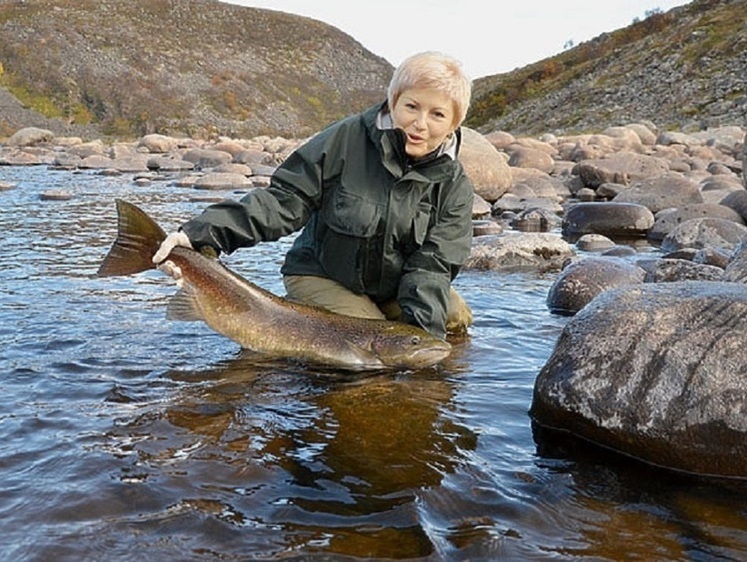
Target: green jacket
point(373, 220)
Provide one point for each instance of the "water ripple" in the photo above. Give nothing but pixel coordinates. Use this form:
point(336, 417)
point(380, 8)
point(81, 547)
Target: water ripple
point(126, 433)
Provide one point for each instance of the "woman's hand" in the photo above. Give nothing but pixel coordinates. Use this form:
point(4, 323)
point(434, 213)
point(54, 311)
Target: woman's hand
point(172, 240)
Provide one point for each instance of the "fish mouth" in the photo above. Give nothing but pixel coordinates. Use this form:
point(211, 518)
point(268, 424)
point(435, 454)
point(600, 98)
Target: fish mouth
point(427, 357)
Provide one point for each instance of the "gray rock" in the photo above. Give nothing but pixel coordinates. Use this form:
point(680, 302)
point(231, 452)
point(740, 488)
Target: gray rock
point(169, 164)
point(526, 157)
point(222, 180)
point(55, 195)
point(536, 218)
point(204, 158)
point(25, 157)
point(131, 164)
point(518, 250)
point(736, 269)
point(541, 184)
point(737, 200)
point(508, 202)
point(582, 280)
point(484, 165)
point(233, 168)
point(29, 136)
point(671, 270)
point(66, 160)
point(667, 138)
point(480, 208)
point(705, 233)
point(157, 144)
point(610, 190)
point(662, 192)
point(594, 243)
point(96, 162)
point(607, 218)
point(706, 256)
point(251, 157)
point(668, 220)
point(485, 228)
point(622, 167)
point(655, 371)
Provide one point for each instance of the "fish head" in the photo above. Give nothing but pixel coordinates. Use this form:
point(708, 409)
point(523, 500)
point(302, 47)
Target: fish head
point(403, 346)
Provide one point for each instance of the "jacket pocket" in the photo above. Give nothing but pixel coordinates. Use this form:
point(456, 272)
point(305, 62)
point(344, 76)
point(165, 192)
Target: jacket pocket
point(417, 230)
point(420, 224)
point(351, 225)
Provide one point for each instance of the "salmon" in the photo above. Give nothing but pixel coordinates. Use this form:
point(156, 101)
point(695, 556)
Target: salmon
point(260, 321)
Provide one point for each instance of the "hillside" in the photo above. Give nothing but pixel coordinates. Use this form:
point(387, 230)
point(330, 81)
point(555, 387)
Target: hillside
point(203, 67)
point(195, 67)
point(685, 69)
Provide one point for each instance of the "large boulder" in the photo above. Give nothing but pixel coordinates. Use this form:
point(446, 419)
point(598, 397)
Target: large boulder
point(484, 165)
point(657, 372)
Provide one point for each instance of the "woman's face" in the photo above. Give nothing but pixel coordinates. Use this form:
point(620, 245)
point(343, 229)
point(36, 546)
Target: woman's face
point(426, 116)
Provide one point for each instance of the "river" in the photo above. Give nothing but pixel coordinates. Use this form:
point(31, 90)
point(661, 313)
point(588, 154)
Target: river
point(126, 436)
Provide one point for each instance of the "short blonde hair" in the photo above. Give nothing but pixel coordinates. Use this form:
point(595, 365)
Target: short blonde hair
point(435, 70)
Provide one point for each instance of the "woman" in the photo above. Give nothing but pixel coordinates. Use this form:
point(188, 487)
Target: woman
point(385, 206)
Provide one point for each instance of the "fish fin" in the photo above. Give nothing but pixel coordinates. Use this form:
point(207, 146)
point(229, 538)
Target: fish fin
point(183, 306)
point(361, 358)
point(138, 238)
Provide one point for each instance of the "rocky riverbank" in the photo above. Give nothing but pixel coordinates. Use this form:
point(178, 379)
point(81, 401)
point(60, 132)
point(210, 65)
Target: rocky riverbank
point(652, 362)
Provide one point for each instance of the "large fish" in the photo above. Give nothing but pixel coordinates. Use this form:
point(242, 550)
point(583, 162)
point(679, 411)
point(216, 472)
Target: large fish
point(261, 321)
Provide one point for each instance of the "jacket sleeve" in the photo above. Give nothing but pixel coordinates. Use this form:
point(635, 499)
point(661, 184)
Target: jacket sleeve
point(424, 288)
point(265, 214)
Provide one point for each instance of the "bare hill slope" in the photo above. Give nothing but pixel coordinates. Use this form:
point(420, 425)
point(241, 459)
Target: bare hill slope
point(192, 66)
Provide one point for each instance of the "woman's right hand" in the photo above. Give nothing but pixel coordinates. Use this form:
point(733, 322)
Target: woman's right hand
point(172, 240)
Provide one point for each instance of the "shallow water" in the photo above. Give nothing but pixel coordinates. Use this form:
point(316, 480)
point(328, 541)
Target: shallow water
point(129, 437)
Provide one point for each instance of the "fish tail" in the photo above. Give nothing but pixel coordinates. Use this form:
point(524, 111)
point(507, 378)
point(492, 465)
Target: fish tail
point(138, 239)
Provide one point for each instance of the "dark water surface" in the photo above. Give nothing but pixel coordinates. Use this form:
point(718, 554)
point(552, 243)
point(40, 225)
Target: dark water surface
point(129, 437)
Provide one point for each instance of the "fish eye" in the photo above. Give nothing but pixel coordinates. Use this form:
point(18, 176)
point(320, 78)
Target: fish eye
point(415, 340)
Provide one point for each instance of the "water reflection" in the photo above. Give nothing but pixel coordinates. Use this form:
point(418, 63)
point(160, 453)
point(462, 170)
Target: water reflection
point(341, 459)
point(625, 505)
